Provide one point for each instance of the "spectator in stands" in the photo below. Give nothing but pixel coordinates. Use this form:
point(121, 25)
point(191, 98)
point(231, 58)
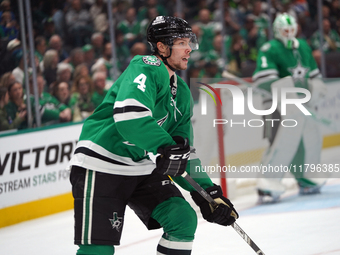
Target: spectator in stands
point(16, 105)
point(48, 28)
point(150, 4)
point(64, 73)
point(118, 10)
point(254, 38)
point(97, 8)
point(106, 59)
point(5, 6)
point(287, 6)
point(102, 68)
point(243, 8)
point(211, 70)
point(326, 12)
point(231, 22)
point(88, 55)
point(334, 13)
point(51, 110)
point(49, 67)
point(7, 48)
point(4, 120)
point(216, 53)
point(98, 12)
point(76, 57)
point(81, 70)
point(230, 17)
point(261, 19)
point(56, 43)
point(138, 48)
point(208, 30)
point(130, 27)
point(150, 15)
point(81, 98)
point(196, 56)
point(97, 42)
point(99, 79)
point(238, 54)
point(122, 51)
point(61, 91)
point(18, 71)
point(7, 79)
point(78, 21)
point(331, 42)
point(58, 16)
point(8, 26)
point(40, 47)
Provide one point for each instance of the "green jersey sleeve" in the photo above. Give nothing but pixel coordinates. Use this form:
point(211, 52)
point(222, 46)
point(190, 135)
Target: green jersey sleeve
point(143, 90)
point(266, 65)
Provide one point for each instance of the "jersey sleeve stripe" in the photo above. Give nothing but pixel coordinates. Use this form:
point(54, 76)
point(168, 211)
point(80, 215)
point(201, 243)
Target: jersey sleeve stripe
point(265, 73)
point(265, 79)
point(130, 109)
point(130, 116)
point(129, 102)
point(315, 73)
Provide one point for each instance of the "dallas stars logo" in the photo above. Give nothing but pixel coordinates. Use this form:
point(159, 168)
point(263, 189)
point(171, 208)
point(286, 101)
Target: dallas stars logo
point(116, 221)
point(298, 72)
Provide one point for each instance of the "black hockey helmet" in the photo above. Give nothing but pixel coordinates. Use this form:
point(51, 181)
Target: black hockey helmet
point(167, 28)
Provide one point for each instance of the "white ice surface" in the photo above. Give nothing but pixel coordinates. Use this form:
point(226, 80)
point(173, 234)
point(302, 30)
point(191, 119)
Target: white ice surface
point(298, 225)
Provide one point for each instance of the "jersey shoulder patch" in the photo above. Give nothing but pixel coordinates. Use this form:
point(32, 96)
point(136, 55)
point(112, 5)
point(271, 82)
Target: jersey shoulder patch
point(265, 47)
point(151, 60)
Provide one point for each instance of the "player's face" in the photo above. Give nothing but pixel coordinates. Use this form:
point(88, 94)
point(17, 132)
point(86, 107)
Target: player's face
point(180, 54)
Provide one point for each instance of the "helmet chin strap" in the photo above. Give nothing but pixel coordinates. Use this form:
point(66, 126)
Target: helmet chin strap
point(165, 61)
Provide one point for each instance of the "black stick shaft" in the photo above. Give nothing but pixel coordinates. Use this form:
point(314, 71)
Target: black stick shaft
point(236, 227)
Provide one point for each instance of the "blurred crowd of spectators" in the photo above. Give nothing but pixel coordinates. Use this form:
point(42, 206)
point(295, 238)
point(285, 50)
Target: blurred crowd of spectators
point(73, 53)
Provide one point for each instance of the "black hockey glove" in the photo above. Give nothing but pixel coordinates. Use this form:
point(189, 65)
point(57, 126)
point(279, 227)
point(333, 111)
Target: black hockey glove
point(174, 158)
point(224, 214)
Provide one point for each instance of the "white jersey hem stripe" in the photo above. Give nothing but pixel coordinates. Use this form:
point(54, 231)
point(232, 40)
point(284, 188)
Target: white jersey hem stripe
point(100, 150)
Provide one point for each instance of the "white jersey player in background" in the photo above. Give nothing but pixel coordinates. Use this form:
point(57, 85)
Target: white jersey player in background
point(295, 147)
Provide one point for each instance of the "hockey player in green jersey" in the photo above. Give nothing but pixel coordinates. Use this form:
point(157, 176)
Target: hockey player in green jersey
point(290, 57)
point(147, 110)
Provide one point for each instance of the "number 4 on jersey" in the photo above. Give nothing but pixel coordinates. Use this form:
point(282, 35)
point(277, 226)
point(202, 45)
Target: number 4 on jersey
point(140, 79)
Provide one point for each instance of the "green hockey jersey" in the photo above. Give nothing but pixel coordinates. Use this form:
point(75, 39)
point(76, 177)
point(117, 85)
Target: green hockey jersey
point(275, 61)
point(139, 114)
point(49, 108)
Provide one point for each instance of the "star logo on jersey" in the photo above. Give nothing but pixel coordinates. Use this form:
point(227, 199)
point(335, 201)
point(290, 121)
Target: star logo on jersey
point(298, 72)
point(116, 221)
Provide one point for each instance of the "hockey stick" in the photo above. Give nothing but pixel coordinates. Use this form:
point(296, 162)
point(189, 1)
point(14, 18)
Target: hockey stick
point(213, 203)
point(325, 121)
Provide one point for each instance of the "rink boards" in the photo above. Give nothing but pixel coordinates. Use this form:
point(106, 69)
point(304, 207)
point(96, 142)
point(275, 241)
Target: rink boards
point(34, 181)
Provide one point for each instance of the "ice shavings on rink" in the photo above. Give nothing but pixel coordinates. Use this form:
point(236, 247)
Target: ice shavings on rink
point(298, 225)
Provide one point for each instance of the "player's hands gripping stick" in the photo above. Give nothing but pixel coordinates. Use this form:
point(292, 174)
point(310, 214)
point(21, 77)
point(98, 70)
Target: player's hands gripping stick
point(174, 158)
point(223, 214)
